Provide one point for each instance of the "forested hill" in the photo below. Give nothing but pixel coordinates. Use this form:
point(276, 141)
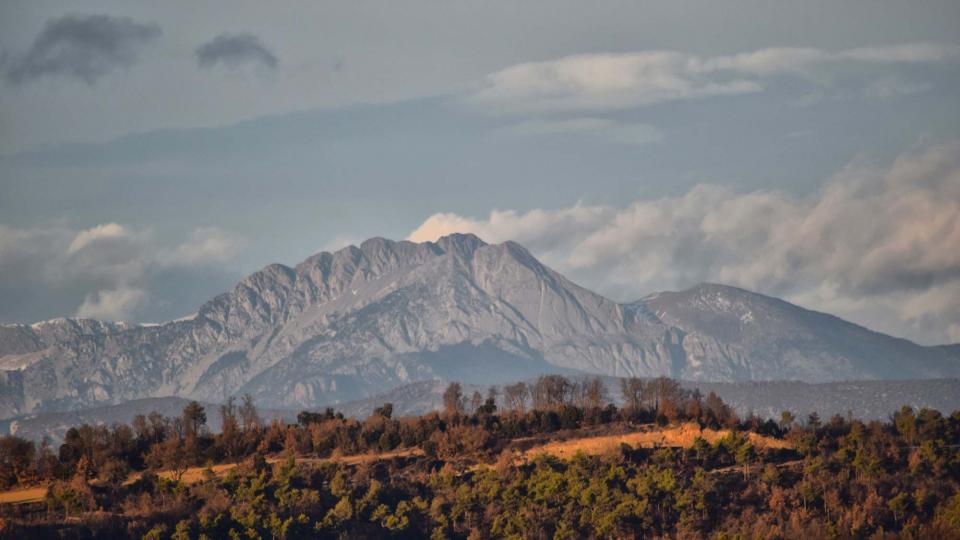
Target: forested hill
point(554, 461)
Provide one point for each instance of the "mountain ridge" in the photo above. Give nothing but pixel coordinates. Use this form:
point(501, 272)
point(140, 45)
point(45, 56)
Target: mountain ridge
point(353, 323)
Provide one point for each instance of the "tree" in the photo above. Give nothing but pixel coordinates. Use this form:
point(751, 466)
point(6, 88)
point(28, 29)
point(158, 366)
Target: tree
point(492, 393)
point(385, 411)
point(248, 414)
point(230, 429)
point(114, 473)
point(899, 505)
point(453, 398)
point(476, 401)
point(16, 460)
point(594, 393)
point(786, 420)
point(718, 412)
point(745, 455)
point(550, 392)
point(515, 396)
point(174, 457)
point(631, 390)
point(906, 424)
point(663, 389)
point(194, 419)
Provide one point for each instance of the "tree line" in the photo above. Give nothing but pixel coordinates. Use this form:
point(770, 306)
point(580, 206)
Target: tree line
point(843, 478)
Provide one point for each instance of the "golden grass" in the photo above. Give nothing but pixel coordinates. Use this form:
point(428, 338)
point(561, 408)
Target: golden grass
point(191, 475)
point(23, 495)
point(678, 436)
point(196, 474)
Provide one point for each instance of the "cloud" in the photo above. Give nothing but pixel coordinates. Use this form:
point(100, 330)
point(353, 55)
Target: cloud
point(234, 51)
point(626, 80)
point(598, 128)
point(85, 47)
point(908, 52)
point(878, 245)
point(109, 271)
point(107, 230)
point(113, 305)
point(206, 245)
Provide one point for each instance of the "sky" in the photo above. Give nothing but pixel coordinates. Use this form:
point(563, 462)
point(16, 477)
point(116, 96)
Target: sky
point(151, 154)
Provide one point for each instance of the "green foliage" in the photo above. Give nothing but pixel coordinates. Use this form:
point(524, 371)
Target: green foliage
point(849, 479)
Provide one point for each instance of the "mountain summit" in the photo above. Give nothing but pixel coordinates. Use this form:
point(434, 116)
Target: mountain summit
point(360, 321)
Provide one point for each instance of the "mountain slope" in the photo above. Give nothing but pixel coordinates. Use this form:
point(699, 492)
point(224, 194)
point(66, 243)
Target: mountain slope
point(346, 325)
point(734, 334)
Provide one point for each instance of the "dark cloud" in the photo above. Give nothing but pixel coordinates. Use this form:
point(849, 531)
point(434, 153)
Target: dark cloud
point(235, 50)
point(86, 47)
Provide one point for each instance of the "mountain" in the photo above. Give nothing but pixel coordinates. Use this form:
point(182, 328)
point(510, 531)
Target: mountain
point(733, 335)
point(351, 324)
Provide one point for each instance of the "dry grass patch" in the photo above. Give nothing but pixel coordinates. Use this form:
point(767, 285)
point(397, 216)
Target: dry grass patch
point(197, 474)
point(677, 436)
point(23, 495)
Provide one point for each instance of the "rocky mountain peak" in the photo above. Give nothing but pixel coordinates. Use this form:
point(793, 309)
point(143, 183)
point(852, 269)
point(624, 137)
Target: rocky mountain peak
point(361, 320)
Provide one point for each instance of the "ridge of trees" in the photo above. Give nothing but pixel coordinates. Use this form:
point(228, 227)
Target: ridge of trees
point(844, 478)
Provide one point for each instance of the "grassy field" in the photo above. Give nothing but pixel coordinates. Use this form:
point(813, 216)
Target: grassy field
point(679, 436)
point(649, 436)
point(196, 474)
point(20, 496)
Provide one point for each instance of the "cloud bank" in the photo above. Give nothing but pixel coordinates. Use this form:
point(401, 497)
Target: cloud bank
point(85, 47)
point(109, 271)
point(233, 51)
point(880, 246)
point(620, 81)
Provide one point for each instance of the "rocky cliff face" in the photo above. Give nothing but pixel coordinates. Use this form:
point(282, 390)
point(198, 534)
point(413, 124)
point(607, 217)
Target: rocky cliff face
point(346, 325)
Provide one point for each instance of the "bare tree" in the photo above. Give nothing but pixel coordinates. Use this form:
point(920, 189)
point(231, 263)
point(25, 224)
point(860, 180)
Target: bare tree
point(663, 389)
point(453, 398)
point(230, 428)
point(248, 414)
point(551, 392)
point(594, 393)
point(515, 396)
point(476, 401)
point(175, 457)
point(632, 391)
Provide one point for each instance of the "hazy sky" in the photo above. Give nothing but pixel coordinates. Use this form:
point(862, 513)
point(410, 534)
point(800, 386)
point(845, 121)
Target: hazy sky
point(152, 153)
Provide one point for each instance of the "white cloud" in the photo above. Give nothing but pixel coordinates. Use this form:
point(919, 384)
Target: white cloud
point(625, 80)
point(878, 245)
point(112, 304)
point(109, 271)
point(107, 230)
point(205, 245)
